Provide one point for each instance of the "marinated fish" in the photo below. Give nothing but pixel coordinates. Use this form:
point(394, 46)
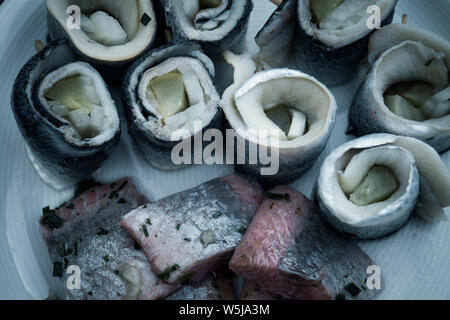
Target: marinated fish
point(289, 251)
point(369, 187)
point(66, 115)
point(328, 38)
point(170, 98)
point(285, 112)
point(407, 91)
point(85, 232)
point(218, 25)
point(187, 235)
point(109, 34)
point(252, 291)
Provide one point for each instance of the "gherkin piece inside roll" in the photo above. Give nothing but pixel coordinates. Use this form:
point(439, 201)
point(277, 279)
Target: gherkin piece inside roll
point(379, 184)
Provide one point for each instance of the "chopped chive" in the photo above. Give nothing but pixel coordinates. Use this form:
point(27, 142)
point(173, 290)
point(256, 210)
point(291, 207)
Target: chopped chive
point(102, 232)
point(106, 258)
point(276, 196)
point(50, 219)
point(166, 273)
point(271, 206)
point(122, 201)
point(58, 269)
point(144, 229)
point(136, 246)
point(242, 230)
point(90, 293)
point(353, 289)
point(148, 221)
point(187, 239)
point(217, 215)
point(178, 226)
point(340, 296)
point(145, 19)
point(62, 249)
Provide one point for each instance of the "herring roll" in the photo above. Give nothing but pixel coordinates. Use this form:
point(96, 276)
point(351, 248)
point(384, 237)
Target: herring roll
point(111, 34)
point(407, 91)
point(327, 38)
point(66, 115)
point(169, 97)
point(286, 112)
point(368, 187)
point(218, 25)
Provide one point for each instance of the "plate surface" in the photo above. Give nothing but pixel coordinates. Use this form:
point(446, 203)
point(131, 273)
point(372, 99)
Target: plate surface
point(414, 261)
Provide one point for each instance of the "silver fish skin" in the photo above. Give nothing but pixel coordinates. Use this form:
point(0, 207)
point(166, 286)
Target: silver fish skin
point(92, 239)
point(187, 235)
point(289, 251)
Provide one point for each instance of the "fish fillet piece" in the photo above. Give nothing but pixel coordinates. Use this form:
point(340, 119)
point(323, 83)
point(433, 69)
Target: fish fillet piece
point(186, 235)
point(252, 291)
point(217, 287)
point(89, 235)
point(287, 250)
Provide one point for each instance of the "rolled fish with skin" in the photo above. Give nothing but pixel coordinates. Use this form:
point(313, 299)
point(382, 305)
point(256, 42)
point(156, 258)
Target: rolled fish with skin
point(368, 187)
point(169, 98)
point(407, 91)
point(109, 34)
point(66, 115)
point(285, 111)
point(324, 38)
point(218, 25)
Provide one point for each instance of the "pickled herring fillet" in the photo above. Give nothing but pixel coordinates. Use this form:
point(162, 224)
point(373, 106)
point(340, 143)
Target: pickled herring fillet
point(289, 251)
point(186, 235)
point(86, 232)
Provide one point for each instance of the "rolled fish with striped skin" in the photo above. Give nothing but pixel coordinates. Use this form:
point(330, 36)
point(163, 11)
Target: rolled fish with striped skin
point(286, 112)
point(169, 97)
point(407, 91)
point(109, 34)
point(217, 25)
point(325, 38)
point(66, 115)
point(369, 187)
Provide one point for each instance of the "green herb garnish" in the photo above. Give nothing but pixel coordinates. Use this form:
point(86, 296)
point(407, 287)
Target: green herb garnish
point(106, 258)
point(178, 226)
point(58, 269)
point(353, 289)
point(148, 221)
point(144, 229)
point(276, 196)
point(242, 230)
point(50, 219)
point(102, 232)
point(145, 19)
point(166, 273)
point(136, 246)
point(187, 239)
point(340, 296)
point(217, 215)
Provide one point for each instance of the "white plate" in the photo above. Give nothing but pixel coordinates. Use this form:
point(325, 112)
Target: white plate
point(414, 261)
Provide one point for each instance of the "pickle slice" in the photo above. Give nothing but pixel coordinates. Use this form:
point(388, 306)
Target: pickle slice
point(170, 92)
point(207, 4)
point(75, 92)
point(322, 8)
point(379, 185)
point(403, 108)
point(416, 92)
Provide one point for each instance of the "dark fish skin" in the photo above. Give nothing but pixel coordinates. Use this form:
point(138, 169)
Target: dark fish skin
point(289, 251)
point(231, 41)
point(333, 66)
point(158, 149)
point(91, 238)
point(40, 129)
point(112, 71)
point(217, 287)
point(189, 234)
